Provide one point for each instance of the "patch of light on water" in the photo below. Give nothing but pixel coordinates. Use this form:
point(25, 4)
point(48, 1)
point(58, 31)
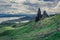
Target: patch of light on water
point(17, 22)
point(25, 21)
point(9, 18)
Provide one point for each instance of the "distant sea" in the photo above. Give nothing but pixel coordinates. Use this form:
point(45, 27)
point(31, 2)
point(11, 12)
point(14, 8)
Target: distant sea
point(6, 17)
point(9, 18)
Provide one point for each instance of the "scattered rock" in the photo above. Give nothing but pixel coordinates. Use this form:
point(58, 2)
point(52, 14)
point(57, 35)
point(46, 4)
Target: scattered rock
point(58, 29)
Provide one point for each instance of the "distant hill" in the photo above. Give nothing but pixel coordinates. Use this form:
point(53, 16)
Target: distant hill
point(15, 15)
point(45, 29)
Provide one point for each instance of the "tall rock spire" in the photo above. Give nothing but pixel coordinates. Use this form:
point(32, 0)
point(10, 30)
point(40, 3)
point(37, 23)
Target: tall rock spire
point(39, 16)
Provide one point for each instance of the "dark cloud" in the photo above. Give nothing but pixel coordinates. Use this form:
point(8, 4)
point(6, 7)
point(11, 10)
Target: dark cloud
point(49, 0)
point(52, 0)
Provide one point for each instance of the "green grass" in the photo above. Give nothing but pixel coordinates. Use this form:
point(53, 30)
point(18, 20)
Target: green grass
point(45, 29)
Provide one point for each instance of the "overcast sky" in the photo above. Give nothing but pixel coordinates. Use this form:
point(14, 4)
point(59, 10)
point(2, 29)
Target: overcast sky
point(29, 6)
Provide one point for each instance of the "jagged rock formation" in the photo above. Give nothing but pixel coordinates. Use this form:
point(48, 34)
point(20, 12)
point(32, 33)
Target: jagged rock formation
point(45, 14)
point(39, 16)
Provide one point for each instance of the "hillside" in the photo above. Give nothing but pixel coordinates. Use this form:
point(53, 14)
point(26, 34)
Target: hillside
point(45, 29)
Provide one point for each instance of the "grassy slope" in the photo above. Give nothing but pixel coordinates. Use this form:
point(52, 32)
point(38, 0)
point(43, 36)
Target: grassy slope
point(45, 29)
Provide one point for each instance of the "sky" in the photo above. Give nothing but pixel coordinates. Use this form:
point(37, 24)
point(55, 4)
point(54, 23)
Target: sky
point(29, 6)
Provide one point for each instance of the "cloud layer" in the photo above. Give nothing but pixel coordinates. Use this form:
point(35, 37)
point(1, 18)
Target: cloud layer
point(29, 6)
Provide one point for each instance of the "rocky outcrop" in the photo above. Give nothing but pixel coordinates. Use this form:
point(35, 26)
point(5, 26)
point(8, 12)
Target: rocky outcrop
point(45, 14)
point(39, 16)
